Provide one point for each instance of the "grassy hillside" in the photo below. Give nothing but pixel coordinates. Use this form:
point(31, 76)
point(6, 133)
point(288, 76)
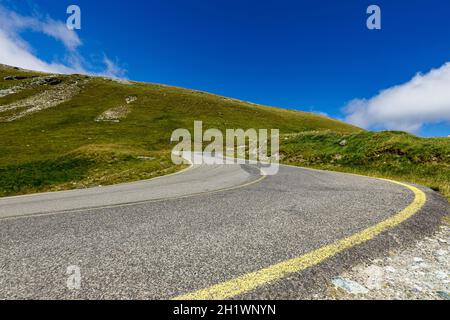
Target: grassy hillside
point(62, 132)
point(396, 155)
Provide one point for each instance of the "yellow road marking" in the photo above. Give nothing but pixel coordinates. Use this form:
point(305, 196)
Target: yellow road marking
point(250, 281)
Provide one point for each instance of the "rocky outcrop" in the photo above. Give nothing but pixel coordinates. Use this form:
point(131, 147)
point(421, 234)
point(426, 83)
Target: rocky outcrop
point(118, 113)
point(57, 92)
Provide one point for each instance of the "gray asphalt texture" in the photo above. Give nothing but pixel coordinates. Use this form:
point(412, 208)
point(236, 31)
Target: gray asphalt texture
point(197, 179)
point(165, 248)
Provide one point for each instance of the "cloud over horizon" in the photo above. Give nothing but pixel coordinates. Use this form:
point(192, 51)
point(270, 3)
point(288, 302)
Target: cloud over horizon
point(16, 51)
point(425, 99)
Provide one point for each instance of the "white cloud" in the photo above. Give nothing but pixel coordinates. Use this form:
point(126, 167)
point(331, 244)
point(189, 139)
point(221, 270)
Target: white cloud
point(59, 31)
point(113, 70)
point(14, 23)
point(16, 51)
point(423, 100)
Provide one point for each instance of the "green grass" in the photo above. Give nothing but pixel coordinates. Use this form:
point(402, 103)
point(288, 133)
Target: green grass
point(89, 165)
point(11, 83)
point(388, 154)
point(64, 147)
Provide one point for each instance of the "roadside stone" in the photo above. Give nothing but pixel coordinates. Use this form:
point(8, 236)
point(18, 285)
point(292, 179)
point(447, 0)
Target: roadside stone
point(390, 269)
point(441, 275)
point(419, 266)
point(375, 277)
point(349, 286)
point(417, 272)
point(444, 295)
point(418, 288)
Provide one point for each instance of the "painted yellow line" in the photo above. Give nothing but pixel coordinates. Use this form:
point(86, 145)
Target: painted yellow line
point(250, 281)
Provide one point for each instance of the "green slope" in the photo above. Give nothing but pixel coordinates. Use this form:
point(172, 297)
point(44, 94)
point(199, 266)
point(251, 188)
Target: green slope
point(63, 147)
point(389, 154)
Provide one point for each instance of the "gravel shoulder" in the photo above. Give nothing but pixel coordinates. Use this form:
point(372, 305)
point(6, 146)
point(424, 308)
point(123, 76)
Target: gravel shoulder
point(419, 272)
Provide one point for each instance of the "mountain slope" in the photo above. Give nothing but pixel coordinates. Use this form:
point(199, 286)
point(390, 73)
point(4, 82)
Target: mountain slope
point(61, 132)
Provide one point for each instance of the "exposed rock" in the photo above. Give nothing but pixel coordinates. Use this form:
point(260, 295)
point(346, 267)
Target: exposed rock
point(30, 83)
point(144, 158)
point(114, 114)
point(343, 142)
point(53, 81)
point(130, 99)
point(9, 78)
point(6, 92)
point(117, 113)
point(58, 94)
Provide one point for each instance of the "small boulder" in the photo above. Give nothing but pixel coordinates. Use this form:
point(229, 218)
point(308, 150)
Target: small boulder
point(53, 81)
point(130, 99)
point(9, 78)
point(374, 277)
point(349, 286)
point(443, 295)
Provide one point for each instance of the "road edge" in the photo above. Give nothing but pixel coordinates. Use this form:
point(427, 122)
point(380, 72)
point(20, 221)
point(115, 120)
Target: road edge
point(250, 281)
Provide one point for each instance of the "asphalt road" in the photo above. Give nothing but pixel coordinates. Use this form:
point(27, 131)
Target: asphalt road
point(205, 226)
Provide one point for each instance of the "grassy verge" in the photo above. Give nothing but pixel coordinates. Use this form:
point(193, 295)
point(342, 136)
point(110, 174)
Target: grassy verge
point(395, 155)
point(88, 166)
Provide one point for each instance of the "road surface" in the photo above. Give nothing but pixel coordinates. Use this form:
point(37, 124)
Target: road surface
point(212, 231)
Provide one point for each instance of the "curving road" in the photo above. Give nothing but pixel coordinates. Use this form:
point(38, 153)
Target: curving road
point(212, 231)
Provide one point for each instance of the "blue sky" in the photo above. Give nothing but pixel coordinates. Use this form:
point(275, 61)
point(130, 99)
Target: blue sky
point(308, 55)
